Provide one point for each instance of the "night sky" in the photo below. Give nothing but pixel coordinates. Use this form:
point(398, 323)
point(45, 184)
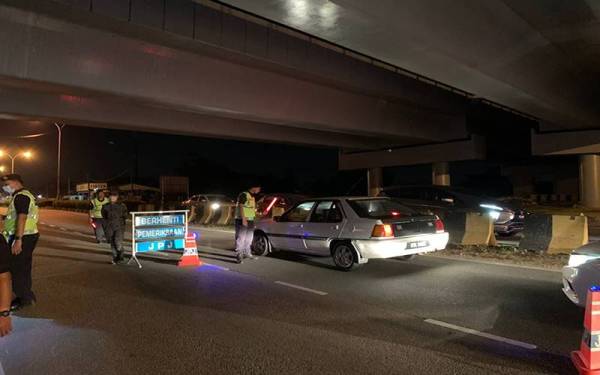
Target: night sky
point(213, 165)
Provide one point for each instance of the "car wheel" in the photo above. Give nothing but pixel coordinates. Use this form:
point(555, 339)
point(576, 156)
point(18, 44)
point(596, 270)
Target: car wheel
point(260, 244)
point(344, 256)
point(406, 258)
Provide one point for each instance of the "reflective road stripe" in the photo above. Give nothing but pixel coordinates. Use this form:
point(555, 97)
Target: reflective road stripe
point(301, 288)
point(481, 334)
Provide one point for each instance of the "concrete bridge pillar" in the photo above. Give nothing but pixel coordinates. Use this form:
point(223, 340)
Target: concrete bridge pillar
point(440, 173)
point(589, 180)
point(375, 181)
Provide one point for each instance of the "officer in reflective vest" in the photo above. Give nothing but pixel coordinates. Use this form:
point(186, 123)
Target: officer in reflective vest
point(20, 230)
point(245, 213)
point(96, 219)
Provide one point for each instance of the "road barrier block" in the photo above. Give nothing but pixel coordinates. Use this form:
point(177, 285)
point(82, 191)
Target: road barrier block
point(226, 215)
point(556, 234)
point(537, 232)
point(207, 214)
point(470, 228)
point(568, 233)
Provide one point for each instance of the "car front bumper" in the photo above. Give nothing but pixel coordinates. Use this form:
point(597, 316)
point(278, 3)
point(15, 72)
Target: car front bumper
point(569, 274)
point(397, 247)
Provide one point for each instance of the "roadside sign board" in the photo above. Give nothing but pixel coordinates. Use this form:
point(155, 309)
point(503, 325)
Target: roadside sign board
point(158, 231)
point(88, 186)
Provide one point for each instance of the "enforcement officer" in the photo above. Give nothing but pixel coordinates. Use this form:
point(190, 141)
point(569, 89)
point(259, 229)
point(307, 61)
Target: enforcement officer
point(245, 213)
point(21, 233)
point(115, 215)
point(96, 219)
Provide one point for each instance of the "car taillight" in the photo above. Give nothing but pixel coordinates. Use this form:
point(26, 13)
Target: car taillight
point(382, 230)
point(439, 225)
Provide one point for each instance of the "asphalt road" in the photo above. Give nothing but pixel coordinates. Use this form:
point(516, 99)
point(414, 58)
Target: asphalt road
point(282, 314)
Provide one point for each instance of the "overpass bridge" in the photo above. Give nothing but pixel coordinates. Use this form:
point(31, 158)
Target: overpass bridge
point(205, 68)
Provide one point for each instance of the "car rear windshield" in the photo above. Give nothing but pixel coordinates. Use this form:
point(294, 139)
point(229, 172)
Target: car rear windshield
point(380, 208)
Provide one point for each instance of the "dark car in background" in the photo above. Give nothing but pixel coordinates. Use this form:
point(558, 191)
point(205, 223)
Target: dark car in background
point(275, 204)
point(440, 200)
point(214, 200)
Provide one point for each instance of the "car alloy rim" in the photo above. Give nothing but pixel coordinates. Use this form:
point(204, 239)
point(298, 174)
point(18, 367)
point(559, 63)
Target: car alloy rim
point(343, 256)
point(261, 244)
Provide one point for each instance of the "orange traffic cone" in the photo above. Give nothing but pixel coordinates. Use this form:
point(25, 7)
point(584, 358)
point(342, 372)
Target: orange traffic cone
point(587, 359)
point(190, 256)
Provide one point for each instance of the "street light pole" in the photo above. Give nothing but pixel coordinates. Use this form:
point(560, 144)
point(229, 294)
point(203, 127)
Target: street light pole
point(59, 127)
point(26, 155)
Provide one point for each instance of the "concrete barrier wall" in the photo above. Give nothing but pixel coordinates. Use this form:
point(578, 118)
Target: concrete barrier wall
point(205, 215)
point(555, 234)
point(568, 233)
point(470, 228)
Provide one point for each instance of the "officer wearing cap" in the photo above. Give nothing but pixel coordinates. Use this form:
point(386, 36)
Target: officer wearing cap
point(21, 233)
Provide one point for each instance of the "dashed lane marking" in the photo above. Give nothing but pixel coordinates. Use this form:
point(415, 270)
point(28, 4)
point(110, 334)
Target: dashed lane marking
point(475, 332)
point(301, 288)
point(217, 267)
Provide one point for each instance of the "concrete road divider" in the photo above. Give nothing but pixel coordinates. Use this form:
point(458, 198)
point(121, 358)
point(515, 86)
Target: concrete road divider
point(470, 228)
point(555, 234)
point(206, 215)
point(227, 215)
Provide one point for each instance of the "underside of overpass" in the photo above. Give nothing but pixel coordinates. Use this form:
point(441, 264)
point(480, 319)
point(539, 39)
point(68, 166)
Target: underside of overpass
point(388, 83)
point(186, 68)
point(541, 57)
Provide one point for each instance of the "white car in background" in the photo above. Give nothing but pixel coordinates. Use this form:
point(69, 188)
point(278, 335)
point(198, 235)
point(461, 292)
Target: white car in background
point(582, 272)
point(351, 230)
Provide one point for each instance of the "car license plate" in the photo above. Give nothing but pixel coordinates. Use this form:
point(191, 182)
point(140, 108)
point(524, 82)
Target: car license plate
point(417, 244)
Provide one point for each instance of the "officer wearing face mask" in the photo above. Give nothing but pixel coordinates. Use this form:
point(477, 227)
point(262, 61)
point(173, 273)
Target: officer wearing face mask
point(21, 233)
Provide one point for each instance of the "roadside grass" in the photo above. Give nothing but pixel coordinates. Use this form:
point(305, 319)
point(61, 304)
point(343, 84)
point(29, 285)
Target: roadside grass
point(506, 254)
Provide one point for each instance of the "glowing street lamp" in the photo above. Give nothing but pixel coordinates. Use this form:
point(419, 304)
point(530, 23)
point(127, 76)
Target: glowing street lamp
point(24, 154)
point(2, 169)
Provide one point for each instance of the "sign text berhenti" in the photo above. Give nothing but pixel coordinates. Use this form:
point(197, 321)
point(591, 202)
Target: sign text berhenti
point(156, 232)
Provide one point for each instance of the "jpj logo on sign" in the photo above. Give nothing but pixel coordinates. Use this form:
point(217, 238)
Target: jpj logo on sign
point(160, 245)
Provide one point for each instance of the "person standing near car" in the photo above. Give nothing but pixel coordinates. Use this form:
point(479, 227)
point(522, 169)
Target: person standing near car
point(115, 216)
point(21, 233)
point(96, 218)
point(245, 214)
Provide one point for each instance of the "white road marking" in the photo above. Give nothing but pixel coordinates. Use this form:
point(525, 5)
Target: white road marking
point(62, 228)
point(218, 267)
point(52, 225)
point(481, 334)
point(301, 288)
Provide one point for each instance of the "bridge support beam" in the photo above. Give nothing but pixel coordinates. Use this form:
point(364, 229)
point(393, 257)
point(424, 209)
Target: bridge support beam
point(440, 173)
point(589, 180)
point(375, 181)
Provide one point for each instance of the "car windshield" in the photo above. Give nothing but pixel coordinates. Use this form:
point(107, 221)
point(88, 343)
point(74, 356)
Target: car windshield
point(379, 208)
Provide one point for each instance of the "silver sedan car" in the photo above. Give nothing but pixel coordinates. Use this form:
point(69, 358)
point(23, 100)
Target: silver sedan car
point(582, 273)
point(351, 230)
